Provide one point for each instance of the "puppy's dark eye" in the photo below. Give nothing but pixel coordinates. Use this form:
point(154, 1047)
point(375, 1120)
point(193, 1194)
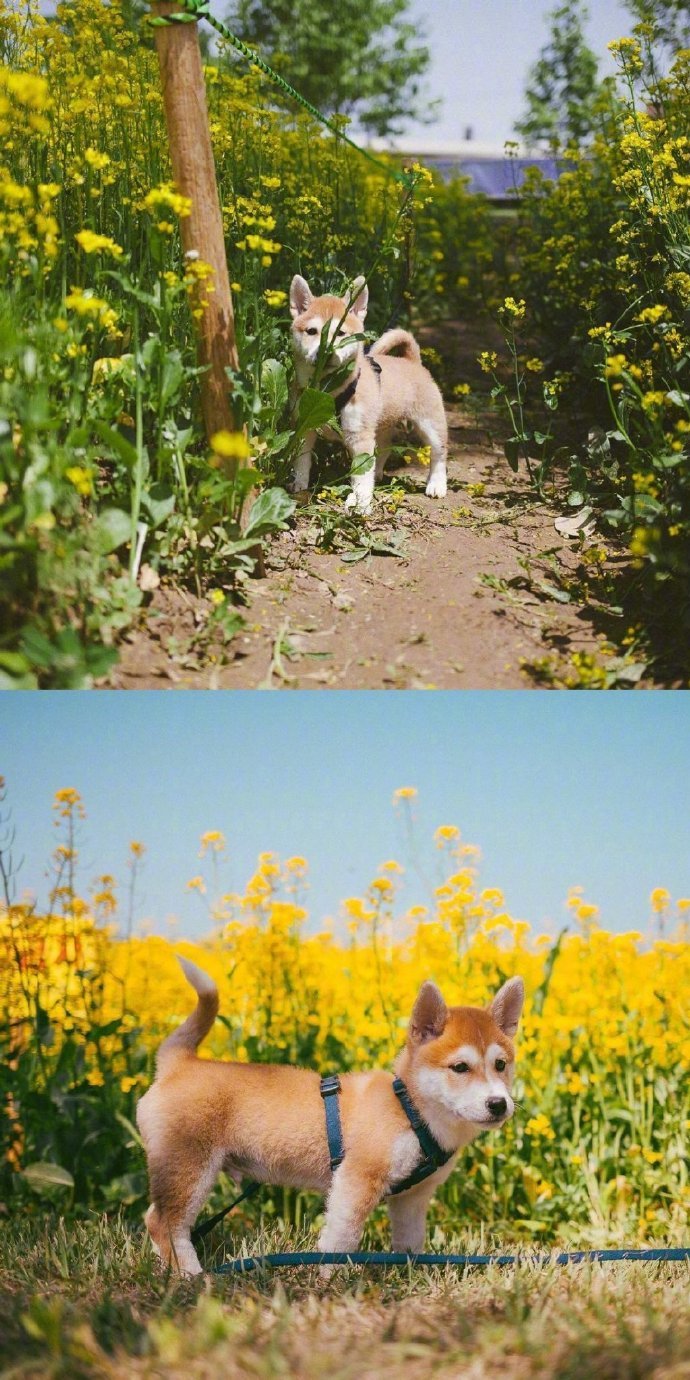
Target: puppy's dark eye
point(500, 1065)
point(312, 330)
point(460, 1068)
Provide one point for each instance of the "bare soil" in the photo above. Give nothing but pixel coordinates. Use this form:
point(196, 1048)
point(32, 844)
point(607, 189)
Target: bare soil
point(484, 593)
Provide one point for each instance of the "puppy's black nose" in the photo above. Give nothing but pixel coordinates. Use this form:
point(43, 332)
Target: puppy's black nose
point(497, 1106)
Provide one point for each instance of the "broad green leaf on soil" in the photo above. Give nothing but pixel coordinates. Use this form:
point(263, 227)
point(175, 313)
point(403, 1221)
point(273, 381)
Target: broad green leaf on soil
point(112, 528)
point(270, 513)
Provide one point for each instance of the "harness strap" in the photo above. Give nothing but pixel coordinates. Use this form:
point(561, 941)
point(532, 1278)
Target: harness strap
point(373, 362)
point(434, 1154)
point(342, 399)
point(330, 1088)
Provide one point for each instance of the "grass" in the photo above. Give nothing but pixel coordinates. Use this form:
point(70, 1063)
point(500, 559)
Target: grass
point(87, 1299)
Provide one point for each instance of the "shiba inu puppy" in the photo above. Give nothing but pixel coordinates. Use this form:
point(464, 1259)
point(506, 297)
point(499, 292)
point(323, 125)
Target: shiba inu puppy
point(381, 389)
point(268, 1122)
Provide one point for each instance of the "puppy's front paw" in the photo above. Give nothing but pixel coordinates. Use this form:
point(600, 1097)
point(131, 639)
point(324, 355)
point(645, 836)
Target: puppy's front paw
point(437, 487)
point(360, 505)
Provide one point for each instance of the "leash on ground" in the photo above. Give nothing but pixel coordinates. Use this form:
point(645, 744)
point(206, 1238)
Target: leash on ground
point(193, 10)
point(292, 1259)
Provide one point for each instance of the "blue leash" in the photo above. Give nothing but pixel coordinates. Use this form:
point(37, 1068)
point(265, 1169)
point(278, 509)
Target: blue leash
point(290, 1259)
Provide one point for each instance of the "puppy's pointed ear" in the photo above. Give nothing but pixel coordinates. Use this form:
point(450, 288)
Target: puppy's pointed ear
point(300, 295)
point(506, 1007)
point(429, 1015)
point(359, 297)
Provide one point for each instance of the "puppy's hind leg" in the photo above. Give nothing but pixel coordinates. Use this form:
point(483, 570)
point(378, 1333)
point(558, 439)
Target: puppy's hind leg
point(383, 450)
point(179, 1189)
point(436, 437)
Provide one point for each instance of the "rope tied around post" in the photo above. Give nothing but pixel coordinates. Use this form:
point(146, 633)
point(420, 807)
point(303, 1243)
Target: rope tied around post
point(194, 10)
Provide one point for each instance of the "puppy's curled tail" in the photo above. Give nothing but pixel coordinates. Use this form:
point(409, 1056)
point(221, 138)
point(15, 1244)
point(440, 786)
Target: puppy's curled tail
point(189, 1035)
point(391, 340)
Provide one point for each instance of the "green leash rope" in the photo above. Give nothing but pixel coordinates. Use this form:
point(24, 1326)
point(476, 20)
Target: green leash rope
point(199, 9)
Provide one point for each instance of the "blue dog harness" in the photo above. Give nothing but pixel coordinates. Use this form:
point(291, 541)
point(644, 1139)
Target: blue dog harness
point(434, 1156)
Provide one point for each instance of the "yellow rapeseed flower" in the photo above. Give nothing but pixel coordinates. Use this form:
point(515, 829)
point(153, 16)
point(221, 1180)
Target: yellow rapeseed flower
point(274, 297)
point(231, 445)
point(487, 361)
point(96, 244)
point(96, 160)
point(81, 479)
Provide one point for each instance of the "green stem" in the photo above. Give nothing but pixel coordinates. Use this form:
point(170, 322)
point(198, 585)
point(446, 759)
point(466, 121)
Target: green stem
point(139, 443)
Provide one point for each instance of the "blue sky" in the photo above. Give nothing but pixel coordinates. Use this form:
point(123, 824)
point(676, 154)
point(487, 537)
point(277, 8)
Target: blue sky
point(481, 53)
point(558, 789)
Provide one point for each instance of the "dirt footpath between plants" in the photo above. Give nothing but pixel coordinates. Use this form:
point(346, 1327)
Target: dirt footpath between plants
point(481, 596)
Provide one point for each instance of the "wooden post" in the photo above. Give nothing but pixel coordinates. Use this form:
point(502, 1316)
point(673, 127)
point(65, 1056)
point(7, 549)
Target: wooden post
point(186, 115)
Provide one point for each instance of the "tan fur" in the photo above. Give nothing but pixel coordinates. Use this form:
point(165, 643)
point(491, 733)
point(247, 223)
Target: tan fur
point(267, 1122)
point(404, 391)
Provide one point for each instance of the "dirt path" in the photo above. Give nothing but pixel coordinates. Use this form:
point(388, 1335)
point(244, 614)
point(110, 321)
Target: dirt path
point(485, 593)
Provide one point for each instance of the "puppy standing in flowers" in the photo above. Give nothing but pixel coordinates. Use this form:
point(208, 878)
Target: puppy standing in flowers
point(379, 392)
point(268, 1121)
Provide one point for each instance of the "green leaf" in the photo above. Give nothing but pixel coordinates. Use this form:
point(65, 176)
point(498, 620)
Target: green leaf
point(159, 502)
point(43, 1175)
point(274, 389)
point(21, 681)
point(112, 528)
point(270, 513)
point(553, 591)
point(127, 1189)
point(276, 444)
point(117, 443)
point(38, 648)
point(172, 377)
point(130, 1128)
point(512, 452)
point(358, 553)
point(362, 464)
point(315, 409)
point(14, 662)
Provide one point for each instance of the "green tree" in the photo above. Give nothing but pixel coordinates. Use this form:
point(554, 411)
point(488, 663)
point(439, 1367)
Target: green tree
point(670, 20)
point(360, 58)
point(563, 91)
